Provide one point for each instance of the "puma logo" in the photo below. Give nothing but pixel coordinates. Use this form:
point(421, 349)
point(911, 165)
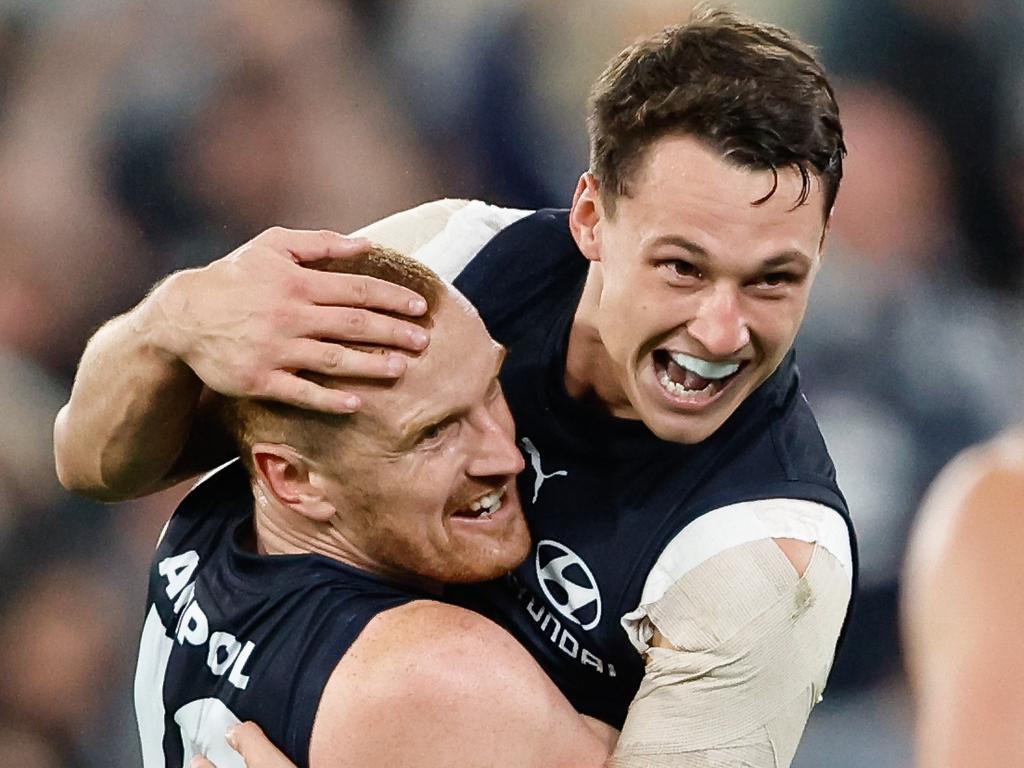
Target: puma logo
point(539, 476)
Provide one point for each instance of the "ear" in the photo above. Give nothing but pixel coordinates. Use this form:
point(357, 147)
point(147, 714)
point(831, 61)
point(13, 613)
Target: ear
point(287, 476)
point(586, 215)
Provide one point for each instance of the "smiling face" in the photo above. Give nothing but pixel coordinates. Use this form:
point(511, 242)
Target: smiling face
point(694, 294)
point(424, 481)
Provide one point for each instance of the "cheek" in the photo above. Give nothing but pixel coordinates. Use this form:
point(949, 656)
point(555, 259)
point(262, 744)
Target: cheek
point(631, 300)
point(433, 481)
point(777, 326)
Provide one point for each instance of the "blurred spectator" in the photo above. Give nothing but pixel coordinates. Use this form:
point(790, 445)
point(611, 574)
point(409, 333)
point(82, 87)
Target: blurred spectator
point(271, 115)
point(27, 749)
point(954, 62)
point(138, 137)
point(905, 362)
point(61, 646)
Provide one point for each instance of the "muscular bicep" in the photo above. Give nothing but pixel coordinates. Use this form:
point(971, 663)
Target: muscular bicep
point(746, 647)
point(434, 685)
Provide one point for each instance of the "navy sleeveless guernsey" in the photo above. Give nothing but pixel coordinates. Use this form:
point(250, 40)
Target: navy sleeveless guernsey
point(231, 635)
point(604, 496)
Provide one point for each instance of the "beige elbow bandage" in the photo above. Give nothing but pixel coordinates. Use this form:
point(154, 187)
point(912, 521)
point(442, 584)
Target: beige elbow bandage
point(755, 644)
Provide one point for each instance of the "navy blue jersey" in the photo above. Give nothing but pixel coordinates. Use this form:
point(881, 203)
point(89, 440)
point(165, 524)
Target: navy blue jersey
point(231, 635)
point(604, 496)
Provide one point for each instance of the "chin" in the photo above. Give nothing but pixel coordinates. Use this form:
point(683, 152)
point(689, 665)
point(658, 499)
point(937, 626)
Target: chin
point(677, 428)
point(673, 433)
point(489, 565)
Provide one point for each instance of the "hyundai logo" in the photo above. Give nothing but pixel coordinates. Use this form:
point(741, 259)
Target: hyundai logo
point(568, 583)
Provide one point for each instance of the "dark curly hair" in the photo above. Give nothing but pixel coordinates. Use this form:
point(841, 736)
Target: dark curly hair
point(750, 90)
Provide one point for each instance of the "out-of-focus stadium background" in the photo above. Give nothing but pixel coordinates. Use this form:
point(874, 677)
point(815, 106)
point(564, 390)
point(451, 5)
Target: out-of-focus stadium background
point(137, 138)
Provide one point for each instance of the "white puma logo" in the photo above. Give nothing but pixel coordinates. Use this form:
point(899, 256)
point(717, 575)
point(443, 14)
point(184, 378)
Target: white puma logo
point(539, 476)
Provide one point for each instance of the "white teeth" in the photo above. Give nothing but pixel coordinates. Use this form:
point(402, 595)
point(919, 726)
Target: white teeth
point(680, 391)
point(704, 368)
point(486, 505)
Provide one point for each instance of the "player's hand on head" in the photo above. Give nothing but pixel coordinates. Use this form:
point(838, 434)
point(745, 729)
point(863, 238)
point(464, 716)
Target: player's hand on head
point(247, 323)
point(255, 748)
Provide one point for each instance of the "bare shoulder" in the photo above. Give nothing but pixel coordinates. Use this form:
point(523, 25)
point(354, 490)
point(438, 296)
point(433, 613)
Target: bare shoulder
point(963, 568)
point(430, 631)
point(433, 684)
point(973, 508)
point(962, 609)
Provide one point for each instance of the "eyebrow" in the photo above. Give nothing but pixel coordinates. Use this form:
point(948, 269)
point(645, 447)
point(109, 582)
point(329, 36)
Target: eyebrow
point(411, 436)
point(779, 260)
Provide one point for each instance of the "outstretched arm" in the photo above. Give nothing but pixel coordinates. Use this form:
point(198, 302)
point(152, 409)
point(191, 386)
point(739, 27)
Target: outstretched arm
point(242, 326)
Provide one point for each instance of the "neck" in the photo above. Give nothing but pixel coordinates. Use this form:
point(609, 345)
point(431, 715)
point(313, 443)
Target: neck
point(281, 531)
point(590, 372)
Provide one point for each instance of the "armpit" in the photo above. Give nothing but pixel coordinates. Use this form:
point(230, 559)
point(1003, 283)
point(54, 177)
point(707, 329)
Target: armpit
point(752, 646)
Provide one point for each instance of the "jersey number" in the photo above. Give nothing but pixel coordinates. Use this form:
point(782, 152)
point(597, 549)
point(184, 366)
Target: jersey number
point(201, 723)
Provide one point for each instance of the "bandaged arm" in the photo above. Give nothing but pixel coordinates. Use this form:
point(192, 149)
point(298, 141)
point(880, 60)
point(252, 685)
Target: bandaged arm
point(744, 643)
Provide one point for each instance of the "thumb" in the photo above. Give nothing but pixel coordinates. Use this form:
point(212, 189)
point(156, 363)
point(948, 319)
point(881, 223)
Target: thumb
point(255, 748)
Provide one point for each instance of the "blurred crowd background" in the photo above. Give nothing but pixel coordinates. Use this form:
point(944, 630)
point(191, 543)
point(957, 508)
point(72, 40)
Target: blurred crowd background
point(138, 138)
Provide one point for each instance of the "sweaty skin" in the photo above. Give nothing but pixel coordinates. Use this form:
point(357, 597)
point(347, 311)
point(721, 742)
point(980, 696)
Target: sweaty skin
point(963, 610)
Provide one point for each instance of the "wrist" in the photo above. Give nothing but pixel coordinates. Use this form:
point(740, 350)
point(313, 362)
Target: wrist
point(156, 322)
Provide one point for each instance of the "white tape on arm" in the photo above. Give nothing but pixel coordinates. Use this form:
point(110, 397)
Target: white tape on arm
point(727, 527)
point(755, 644)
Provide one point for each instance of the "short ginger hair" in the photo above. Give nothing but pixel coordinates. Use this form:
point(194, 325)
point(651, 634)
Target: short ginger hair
point(312, 433)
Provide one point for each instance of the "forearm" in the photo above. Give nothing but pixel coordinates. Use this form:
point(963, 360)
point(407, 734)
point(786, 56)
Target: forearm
point(131, 408)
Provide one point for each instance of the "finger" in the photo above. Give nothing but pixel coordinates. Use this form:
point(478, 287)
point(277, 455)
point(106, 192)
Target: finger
point(364, 326)
point(249, 741)
point(200, 762)
point(343, 290)
point(294, 390)
point(307, 245)
point(341, 361)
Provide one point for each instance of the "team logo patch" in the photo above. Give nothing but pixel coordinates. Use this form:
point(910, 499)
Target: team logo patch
point(568, 583)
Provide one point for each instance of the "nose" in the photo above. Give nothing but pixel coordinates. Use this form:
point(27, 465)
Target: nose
point(496, 453)
point(719, 325)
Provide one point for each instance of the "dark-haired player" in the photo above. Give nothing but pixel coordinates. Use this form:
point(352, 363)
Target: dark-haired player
point(692, 560)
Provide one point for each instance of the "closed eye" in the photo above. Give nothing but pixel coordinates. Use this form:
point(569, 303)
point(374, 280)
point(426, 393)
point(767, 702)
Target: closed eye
point(435, 434)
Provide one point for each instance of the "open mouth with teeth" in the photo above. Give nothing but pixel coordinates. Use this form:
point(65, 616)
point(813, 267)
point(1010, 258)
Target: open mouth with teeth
point(483, 507)
point(690, 379)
